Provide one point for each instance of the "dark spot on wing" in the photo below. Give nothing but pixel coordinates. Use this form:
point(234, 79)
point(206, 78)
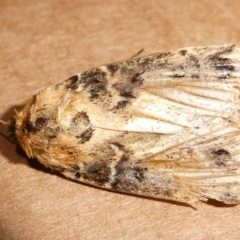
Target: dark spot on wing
point(183, 52)
point(75, 167)
point(153, 61)
point(119, 145)
point(177, 75)
point(229, 68)
point(121, 104)
point(136, 78)
point(119, 175)
point(86, 135)
point(124, 89)
point(94, 81)
point(222, 63)
point(127, 176)
point(195, 76)
point(221, 152)
point(112, 68)
point(220, 157)
point(77, 174)
point(98, 172)
point(71, 83)
point(126, 94)
point(139, 173)
point(80, 118)
point(193, 61)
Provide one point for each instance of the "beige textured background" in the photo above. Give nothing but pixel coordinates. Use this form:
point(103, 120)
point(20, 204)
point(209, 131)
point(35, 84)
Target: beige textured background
point(44, 42)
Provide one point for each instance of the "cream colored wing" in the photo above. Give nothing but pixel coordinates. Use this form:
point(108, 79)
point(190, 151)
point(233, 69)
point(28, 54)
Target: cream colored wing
point(164, 126)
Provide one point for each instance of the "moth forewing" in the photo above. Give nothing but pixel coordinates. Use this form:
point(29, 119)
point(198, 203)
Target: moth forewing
point(164, 125)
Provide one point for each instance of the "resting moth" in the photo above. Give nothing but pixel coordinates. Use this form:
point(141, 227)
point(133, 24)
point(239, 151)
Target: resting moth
point(165, 126)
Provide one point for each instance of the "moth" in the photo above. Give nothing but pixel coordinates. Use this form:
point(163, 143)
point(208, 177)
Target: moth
point(165, 126)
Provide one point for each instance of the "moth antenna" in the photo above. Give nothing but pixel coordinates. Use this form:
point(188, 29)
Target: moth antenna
point(137, 53)
point(5, 122)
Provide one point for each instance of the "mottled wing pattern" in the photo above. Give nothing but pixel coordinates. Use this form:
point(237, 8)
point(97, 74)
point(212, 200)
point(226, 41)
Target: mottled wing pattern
point(164, 125)
point(202, 148)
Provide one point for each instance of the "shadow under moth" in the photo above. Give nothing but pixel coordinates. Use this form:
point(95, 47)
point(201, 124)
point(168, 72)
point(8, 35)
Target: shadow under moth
point(165, 126)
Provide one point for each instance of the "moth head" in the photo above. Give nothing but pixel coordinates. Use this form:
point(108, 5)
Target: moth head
point(19, 129)
point(49, 129)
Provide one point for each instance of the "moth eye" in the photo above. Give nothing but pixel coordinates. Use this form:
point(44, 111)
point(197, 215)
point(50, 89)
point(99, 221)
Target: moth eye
point(40, 123)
